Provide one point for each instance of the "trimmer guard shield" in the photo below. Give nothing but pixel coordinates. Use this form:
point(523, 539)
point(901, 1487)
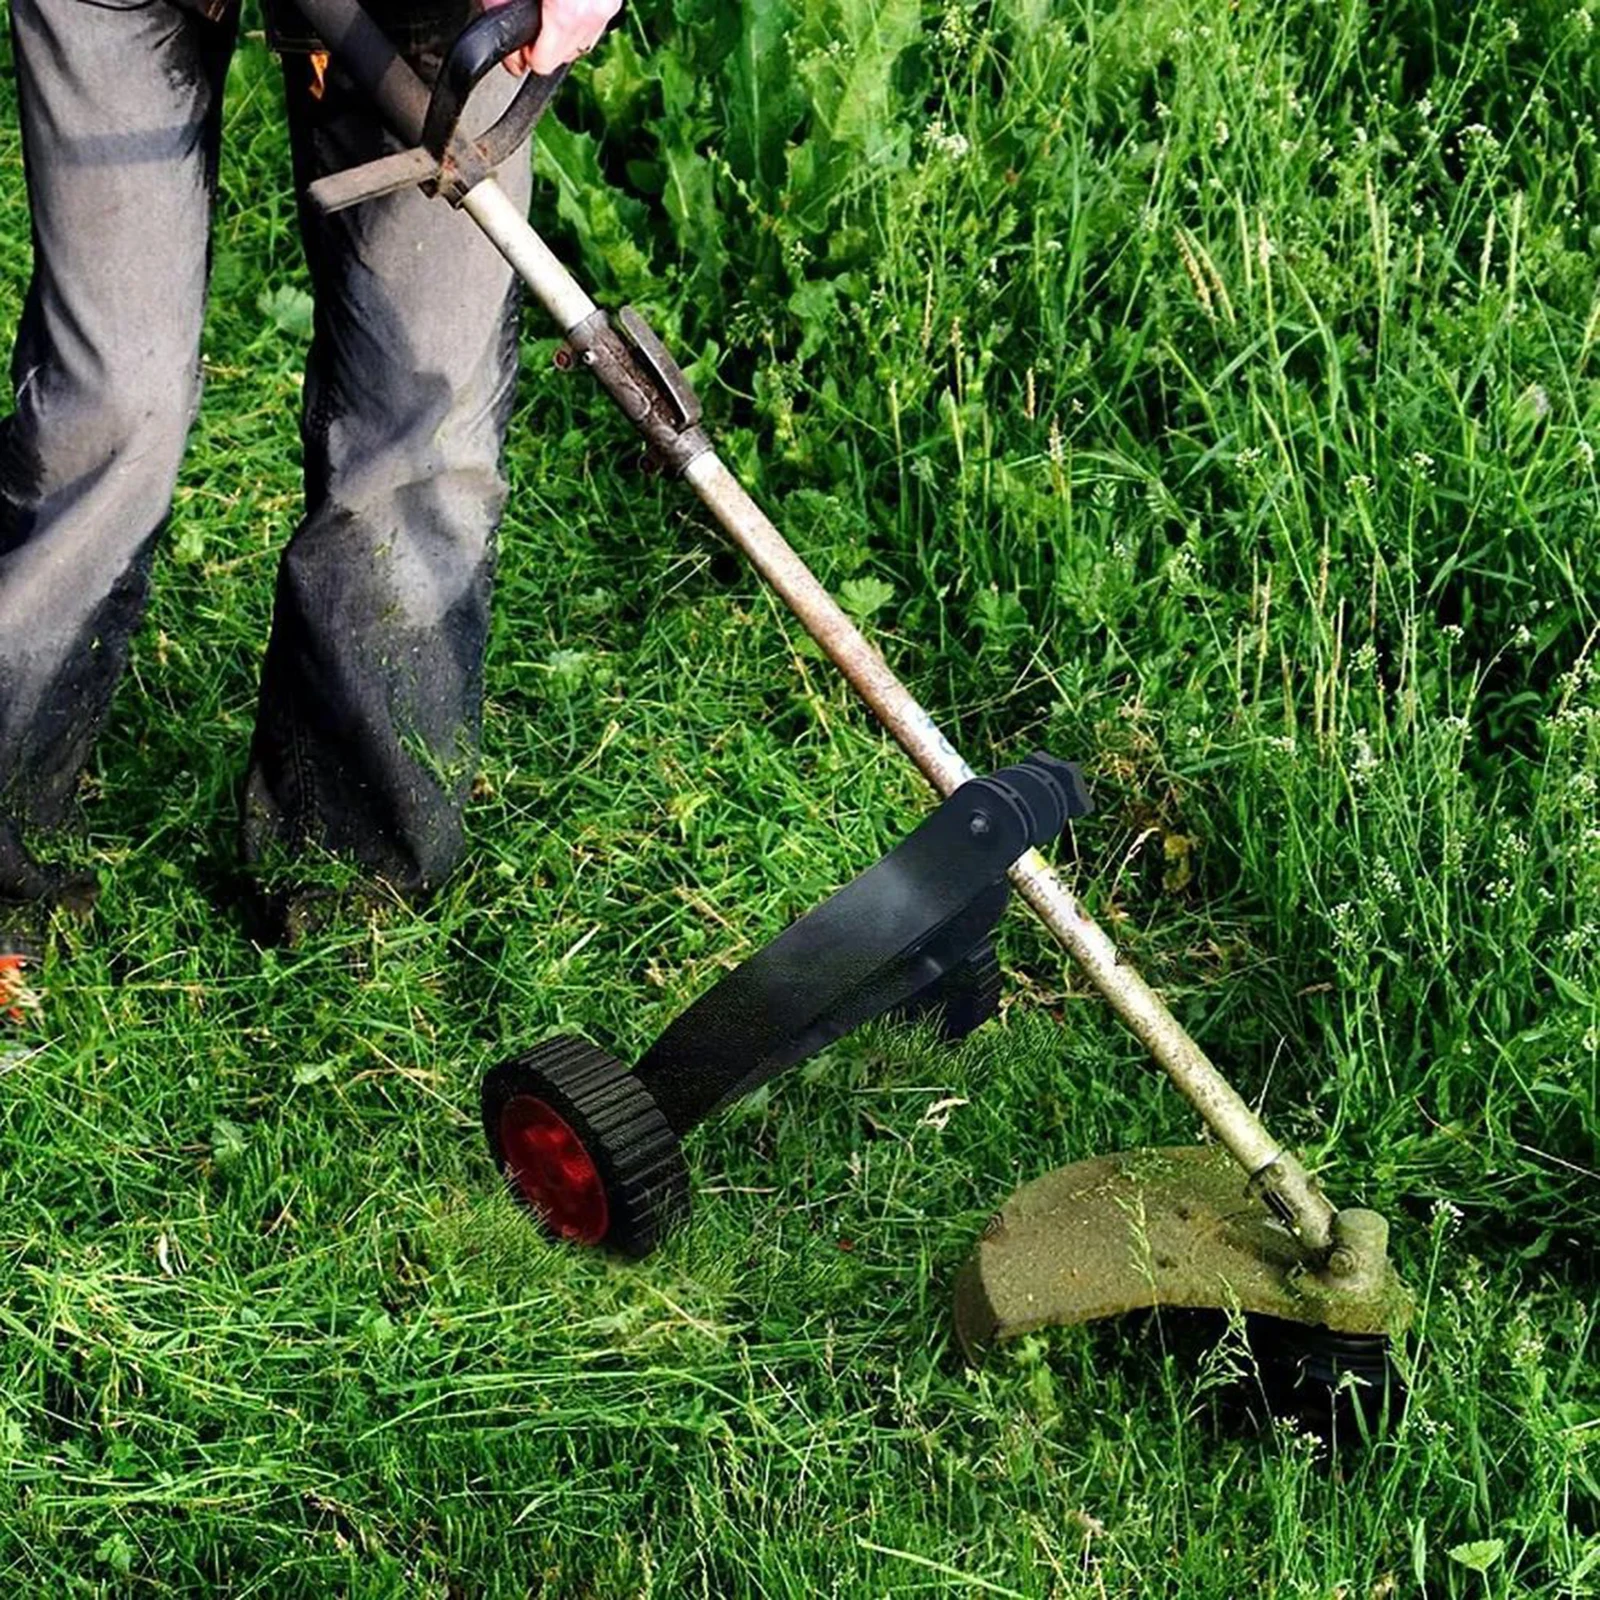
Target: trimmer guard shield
point(1144, 1228)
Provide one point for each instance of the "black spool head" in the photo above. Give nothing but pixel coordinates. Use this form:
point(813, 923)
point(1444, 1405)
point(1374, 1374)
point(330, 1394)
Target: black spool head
point(1342, 1387)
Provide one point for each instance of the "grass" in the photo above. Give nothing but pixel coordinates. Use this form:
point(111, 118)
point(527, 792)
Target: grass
point(1209, 393)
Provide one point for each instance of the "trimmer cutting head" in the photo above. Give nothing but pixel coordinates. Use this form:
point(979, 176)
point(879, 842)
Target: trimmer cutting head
point(1178, 1228)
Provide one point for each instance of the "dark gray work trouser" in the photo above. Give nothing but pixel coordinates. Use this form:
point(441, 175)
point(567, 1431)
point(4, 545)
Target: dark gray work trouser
point(367, 726)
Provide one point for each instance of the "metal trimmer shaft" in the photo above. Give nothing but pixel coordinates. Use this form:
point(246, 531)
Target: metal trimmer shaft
point(635, 369)
point(1278, 1175)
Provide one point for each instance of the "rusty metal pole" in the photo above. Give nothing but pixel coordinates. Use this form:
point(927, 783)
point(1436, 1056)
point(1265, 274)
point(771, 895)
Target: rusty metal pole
point(1283, 1182)
point(1276, 1173)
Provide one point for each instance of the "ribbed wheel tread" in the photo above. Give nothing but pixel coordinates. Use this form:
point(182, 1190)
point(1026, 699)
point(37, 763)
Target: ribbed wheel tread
point(619, 1124)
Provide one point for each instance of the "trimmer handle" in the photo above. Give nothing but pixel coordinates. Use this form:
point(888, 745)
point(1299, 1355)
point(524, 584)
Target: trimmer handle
point(479, 48)
point(442, 159)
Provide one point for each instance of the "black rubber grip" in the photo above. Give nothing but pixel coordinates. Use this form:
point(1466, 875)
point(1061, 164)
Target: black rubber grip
point(479, 48)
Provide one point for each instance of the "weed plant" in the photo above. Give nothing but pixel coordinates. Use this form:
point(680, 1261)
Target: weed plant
point(1207, 392)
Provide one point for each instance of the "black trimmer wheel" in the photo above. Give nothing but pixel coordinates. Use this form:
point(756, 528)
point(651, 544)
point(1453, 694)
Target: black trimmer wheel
point(1342, 1387)
point(961, 1000)
point(584, 1145)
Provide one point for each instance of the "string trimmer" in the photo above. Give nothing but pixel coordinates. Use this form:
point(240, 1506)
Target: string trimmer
point(596, 1149)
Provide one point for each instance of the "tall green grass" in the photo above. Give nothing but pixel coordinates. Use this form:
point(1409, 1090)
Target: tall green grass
point(1206, 392)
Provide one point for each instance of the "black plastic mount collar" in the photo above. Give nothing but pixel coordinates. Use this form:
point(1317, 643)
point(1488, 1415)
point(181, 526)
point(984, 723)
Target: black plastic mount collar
point(869, 949)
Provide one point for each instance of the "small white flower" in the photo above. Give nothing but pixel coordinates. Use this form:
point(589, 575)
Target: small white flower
point(1526, 1344)
point(1510, 848)
point(1346, 921)
point(1365, 761)
point(952, 145)
point(1183, 566)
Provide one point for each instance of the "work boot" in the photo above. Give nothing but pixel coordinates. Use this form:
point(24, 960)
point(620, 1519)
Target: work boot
point(27, 884)
point(289, 915)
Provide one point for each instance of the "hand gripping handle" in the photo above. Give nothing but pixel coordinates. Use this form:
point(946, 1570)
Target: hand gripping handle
point(429, 120)
point(480, 47)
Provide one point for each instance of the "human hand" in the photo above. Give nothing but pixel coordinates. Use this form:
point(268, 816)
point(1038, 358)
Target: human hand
point(567, 29)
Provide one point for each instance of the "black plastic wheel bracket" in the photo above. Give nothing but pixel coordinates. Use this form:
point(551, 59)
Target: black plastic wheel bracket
point(870, 948)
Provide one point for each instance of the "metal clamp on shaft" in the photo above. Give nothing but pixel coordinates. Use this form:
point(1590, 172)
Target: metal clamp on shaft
point(1295, 1197)
point(637, 370)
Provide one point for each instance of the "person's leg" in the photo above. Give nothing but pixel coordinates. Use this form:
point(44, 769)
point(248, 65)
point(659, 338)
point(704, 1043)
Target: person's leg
point(119, 110)
point(366, 735)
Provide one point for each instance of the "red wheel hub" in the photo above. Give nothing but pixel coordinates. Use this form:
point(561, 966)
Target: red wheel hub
point(555, 1174)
